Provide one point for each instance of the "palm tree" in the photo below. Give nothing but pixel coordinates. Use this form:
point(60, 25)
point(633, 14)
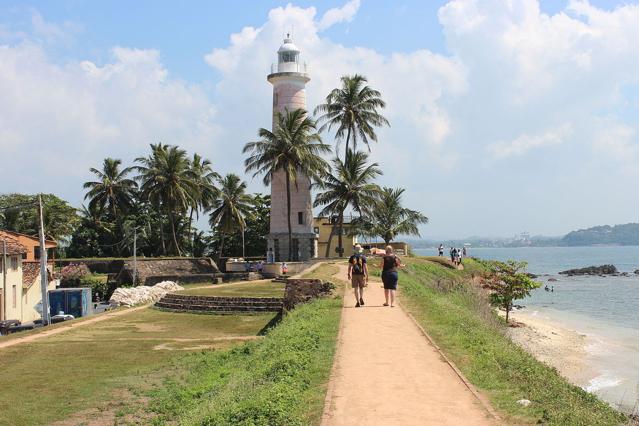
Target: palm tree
point(230, 208)
point(168, 183)
point(113, 191)
point(294, 148)
point(207, 192)
point(353, 110)
point(387, 218)
point(348, 186)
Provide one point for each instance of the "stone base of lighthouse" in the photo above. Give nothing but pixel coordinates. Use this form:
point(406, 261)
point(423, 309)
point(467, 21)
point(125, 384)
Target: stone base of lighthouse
point(304, 246)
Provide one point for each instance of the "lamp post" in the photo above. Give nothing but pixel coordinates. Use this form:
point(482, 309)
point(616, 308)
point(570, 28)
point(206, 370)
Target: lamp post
point(43, 268)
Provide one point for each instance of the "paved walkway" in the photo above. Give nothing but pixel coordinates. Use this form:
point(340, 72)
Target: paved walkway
point(387, 373)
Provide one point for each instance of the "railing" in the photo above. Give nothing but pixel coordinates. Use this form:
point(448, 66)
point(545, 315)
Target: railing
point(290, 67)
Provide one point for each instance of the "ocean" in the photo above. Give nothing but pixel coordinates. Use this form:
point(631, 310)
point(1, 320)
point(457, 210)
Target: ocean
point(606, 309)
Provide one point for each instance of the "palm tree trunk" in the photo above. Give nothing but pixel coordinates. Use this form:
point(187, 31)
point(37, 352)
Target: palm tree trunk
point(330, 239)
point(191, 240)
point(288, 216)
point(175, 242)
point(219, 254)
point(348, 137)
point(341, 231)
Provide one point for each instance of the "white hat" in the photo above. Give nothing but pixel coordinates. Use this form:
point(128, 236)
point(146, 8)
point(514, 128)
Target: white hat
point(358, 248)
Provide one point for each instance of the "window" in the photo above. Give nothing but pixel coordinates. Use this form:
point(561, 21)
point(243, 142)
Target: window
point(288, 57)
point(36, 253)
point(14, 262)
point(300, 218)
point(15, 296)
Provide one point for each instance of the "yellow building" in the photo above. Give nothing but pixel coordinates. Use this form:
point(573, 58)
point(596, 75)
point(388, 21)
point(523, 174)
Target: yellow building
point(20, 282)
point(324, 227)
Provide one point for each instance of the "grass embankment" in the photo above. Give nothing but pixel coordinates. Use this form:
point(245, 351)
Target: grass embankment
point(261, 288)
point(278, 380)
point(91, 369)
point(457, 316)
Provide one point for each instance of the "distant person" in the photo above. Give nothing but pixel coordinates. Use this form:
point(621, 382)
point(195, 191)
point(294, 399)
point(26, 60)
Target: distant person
point(464, 251)
point(358, 274)
point(546, 288)
point(389, 265)
point(552, 289)
point(452, 255)
point(284, 268)
point(441, 250)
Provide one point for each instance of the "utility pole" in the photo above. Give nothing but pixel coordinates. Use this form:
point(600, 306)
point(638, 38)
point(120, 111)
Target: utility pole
point(4, 279)
point(43, 268)
point(135, 255)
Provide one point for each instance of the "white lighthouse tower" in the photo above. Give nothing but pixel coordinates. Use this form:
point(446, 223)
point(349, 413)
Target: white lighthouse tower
point(289, 79)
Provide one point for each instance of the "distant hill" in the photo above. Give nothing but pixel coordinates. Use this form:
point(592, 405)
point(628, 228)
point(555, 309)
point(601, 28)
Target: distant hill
point(626, 235)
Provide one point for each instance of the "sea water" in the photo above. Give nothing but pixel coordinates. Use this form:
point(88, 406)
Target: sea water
point(606, 309)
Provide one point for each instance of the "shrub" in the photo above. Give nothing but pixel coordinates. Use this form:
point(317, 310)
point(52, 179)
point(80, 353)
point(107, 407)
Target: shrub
point(98, 285)
point(71, 275)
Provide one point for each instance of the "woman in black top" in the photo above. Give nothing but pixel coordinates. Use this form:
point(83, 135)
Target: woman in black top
point(389, 265)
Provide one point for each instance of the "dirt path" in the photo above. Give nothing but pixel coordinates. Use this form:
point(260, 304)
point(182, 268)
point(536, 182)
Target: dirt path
point(387, 373)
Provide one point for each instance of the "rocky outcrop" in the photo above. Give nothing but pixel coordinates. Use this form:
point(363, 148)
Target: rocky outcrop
point(636, 271)
point(592, 270)
point(303, 290)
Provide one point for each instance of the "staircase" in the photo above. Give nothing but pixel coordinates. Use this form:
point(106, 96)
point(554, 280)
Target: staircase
point(219, 305)
point(281, 279)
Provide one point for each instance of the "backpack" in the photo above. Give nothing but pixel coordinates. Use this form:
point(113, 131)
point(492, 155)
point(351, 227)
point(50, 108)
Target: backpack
point(358, 266)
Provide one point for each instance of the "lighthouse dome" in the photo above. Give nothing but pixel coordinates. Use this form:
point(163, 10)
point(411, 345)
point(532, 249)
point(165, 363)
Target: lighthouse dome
point(288, 46)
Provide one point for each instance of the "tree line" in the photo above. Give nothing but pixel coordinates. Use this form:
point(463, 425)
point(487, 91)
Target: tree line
point(157, 199)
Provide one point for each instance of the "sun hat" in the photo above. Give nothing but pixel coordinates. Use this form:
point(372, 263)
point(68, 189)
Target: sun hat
point(358, 248)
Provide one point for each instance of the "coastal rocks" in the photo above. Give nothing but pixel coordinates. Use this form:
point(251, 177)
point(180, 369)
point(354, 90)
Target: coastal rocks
point(552, 280)
point(636, 271)
point(531, 276)
point(131, 296)
point(592, 270)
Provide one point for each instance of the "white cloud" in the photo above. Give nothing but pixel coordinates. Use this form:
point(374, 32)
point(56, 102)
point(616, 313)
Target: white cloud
point(337, 15)
point(526, 142)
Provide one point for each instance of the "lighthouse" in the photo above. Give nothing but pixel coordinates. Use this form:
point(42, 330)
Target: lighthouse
point(289, 80)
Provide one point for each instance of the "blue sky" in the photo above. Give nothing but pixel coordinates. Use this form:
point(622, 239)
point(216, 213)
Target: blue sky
point(506, 116)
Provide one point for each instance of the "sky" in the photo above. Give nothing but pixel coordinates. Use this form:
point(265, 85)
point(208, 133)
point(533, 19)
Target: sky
point(507, 116)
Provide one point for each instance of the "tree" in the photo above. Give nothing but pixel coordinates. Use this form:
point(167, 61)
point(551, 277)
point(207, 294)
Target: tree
point(386, 218)
point(169, 183)
point(113, 191)
point(294, 148)
point(20, 214)
point(353, 110)
point(230, 208)
point(206, 191)
point(507, 282)
point(349, 185)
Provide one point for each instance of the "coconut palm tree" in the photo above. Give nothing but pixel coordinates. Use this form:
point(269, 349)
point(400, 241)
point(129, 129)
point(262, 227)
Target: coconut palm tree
point(230, 208)
point(294, 148)
point(387, 218)
point(349, 185)
point(113, 191)
point(168, 183)
point(205, 179)
point(354, 110)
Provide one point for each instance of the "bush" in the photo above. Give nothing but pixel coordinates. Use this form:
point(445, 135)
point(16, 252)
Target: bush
point(71, 275)
point(98, 285)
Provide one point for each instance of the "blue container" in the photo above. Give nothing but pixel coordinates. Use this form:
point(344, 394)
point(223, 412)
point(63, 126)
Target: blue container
point(71, 301)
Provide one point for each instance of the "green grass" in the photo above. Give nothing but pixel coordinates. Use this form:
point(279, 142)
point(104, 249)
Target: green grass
point(279, 380)
point(261, 288)
point(88, 367)
point(457, 316)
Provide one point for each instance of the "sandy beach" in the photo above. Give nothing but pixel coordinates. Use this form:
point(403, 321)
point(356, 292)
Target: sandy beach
point(556, 345)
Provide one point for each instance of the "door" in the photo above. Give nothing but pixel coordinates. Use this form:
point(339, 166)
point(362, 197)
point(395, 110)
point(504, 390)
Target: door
point(74, 303)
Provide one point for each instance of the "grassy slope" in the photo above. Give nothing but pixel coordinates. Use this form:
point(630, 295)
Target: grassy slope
point(466, 328)
point(280, 379)
point(82, 367)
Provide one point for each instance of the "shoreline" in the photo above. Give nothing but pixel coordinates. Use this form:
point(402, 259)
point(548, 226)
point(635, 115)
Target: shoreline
point(558, 346)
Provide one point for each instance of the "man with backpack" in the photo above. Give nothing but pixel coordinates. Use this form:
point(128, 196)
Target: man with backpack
point(358, 275)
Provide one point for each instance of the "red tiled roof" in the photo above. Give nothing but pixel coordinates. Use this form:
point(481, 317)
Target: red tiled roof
point(13, 246)
point(30, 271)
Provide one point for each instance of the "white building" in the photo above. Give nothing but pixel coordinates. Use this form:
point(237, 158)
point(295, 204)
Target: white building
point(289, 79)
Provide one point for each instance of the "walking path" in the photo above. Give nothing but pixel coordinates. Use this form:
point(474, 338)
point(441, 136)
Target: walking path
point(387, 373)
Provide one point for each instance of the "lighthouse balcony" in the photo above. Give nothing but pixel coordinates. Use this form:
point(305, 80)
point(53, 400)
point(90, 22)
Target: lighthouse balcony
point(283, 67)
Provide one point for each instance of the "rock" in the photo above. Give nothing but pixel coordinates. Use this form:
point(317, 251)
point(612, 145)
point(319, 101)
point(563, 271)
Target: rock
point(524, 402)
point(552, 279)
point(602, 270)
point(532, 276)
point(131, 296)
point(636, 271)
point(624, 274)
point(303, 290)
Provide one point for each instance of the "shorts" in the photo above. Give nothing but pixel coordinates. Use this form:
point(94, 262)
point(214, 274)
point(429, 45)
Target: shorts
point(390, 278)
point(358, 281)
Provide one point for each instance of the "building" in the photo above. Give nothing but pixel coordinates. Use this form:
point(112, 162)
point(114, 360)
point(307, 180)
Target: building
point(289, 80)
point(32, 244)
point(327, 231)
point(20, 292)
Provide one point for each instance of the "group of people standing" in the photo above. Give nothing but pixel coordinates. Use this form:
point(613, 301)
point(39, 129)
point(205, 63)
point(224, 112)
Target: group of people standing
point(456, 254)
point(358, 275)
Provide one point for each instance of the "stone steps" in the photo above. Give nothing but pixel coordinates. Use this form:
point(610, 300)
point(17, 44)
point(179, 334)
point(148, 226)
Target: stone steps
point(219, 305)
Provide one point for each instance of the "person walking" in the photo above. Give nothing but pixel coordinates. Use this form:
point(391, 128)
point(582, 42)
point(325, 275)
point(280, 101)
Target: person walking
point(358, 275)
point(441, 250)
point(389, 265)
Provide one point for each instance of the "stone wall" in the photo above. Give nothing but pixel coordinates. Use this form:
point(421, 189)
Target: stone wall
point(177, 269)
point(303, 290)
